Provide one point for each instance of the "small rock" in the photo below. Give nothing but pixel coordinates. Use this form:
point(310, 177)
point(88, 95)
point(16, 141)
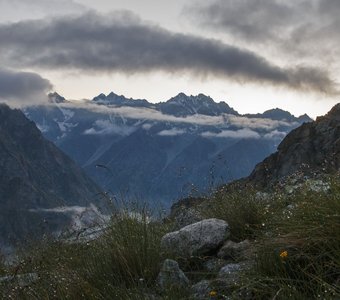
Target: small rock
point(196, 239)
point(214, 264)
point(171, 276)
point(235, 251)
point(230, 274)
point(201, 290)
point(229, 271)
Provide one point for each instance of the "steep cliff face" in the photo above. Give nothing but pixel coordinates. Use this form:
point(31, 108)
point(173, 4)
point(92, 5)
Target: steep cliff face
point(36, 181)
point(311, 148)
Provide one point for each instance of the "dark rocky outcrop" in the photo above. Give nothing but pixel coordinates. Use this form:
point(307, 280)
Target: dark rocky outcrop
point(309, 149)
point(36, 181)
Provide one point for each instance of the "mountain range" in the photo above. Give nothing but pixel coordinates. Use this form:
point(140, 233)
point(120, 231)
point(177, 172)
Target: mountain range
point(160, 152)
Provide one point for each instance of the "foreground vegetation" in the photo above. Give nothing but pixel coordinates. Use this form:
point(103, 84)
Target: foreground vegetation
point(295, 237)
point(122, 264)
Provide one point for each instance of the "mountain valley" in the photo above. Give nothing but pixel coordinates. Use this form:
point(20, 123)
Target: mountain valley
point(158, 153)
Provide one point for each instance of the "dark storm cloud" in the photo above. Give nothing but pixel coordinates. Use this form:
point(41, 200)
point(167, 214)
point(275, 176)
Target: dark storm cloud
point(291, 25)
point(122, 43)
point(22, 87)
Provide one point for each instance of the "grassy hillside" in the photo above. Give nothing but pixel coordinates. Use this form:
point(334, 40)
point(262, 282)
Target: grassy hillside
point(294, 233)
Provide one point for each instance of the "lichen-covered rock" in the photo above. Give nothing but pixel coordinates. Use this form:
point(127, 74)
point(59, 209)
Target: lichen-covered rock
point(196, 239)
point(171, 276)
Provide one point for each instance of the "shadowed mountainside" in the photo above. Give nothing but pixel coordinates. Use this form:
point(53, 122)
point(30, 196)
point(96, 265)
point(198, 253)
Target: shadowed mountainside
point(309, 149)
point(36, 181)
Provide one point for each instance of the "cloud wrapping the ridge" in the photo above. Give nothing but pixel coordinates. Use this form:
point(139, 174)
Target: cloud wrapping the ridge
point(105, 127)
point(275, 134)
point(154, 115)
point(22, 87)
point(120, 42)
point(244, 133)
point(172, 132)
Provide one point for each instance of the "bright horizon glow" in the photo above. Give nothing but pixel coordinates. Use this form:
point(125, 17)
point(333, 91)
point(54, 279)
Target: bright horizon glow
point(241, 97)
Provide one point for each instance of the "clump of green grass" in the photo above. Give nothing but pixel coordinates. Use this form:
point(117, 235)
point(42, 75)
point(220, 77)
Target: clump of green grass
point(300, 257)
point(245, 211)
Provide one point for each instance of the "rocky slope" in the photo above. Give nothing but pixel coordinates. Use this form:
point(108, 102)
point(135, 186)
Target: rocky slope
point(41, 189)
point(309, 149)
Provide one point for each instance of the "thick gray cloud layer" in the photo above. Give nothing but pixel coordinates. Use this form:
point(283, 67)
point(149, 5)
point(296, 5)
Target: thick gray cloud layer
point(304, 27)
point(22, 87)
point(251, 19)
point(122, 43)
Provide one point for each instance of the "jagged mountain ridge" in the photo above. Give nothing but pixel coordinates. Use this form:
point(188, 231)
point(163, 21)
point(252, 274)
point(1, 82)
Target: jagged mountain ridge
point(310, 149)
point(185, 105)
point(159, 152)
point(36, 181)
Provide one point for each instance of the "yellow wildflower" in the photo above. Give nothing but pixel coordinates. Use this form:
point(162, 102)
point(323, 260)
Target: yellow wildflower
point(213, 294)
point(284, 254)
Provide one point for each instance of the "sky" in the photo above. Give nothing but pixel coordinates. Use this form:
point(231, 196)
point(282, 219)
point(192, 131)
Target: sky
point(252, 54)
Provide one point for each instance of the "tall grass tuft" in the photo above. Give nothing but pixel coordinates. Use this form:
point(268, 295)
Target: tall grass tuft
point(122, 264)
point(243, 209)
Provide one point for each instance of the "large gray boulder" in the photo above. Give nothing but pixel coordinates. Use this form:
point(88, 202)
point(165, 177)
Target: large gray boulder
point(196, 239)
point(171, 276)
